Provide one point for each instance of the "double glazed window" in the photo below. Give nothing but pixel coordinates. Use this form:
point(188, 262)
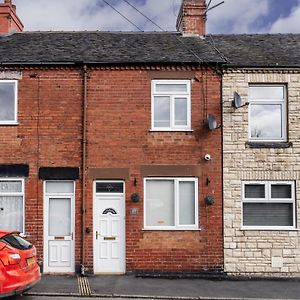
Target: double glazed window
point(171, 105)
point(8, 101)
point(12, 204)
point(267, 113)
point(268, 205)
point(171, 203)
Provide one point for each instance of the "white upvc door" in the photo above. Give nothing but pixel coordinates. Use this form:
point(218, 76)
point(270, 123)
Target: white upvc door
point(59, 227)
point(109, 231)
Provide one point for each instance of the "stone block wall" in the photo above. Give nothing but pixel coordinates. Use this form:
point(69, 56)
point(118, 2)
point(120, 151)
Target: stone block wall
point(258, 252)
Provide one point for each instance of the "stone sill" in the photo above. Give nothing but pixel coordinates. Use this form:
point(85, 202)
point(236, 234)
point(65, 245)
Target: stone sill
point(254, 145)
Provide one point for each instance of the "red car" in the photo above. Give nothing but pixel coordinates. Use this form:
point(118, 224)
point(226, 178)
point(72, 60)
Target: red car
point(19, 270)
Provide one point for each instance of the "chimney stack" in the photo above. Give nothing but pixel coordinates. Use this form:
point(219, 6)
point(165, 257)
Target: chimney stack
point(191, 19)
point(9, 21)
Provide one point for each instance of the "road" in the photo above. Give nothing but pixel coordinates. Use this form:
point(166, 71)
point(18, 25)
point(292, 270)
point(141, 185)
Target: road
point(63, 298)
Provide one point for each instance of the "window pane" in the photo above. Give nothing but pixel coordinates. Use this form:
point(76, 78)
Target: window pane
point(162, 112)
point(11, 186)
point(186, 203)
point(268, 214)
point(59, 187)
point(59, 217)
point(266, 121)
point(7, 101)
point(171, 88)
point(254, 191)
point(11, 213)
point(160, 204)
point(109, 187)
point(281, 191)
point(266, 92)
point(181, 111)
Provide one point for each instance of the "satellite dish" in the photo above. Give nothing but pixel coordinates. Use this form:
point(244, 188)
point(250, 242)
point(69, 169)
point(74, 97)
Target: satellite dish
point(212, 123)
point(237, 101)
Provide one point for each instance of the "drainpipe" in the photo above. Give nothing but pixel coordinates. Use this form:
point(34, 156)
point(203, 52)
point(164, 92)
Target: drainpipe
point(83, 207)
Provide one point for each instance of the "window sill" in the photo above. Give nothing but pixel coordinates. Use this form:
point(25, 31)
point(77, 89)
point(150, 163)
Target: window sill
point(269, 229)
point(254, 145)
point(171, 229)
point(9, 124)
point(171, 130)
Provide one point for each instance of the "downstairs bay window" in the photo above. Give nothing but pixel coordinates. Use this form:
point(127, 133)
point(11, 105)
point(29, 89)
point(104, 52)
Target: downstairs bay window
point(12, 204)
point(171, 203)
point(268, 205)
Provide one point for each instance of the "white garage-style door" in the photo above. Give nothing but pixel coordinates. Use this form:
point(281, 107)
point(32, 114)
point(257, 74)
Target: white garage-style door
point(59, 250)
point(109, 227)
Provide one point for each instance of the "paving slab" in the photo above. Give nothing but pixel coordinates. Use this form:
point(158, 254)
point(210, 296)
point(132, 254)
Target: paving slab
point(56, 284)
point(132, 286)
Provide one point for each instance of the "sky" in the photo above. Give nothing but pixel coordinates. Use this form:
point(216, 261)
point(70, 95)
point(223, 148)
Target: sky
point(234, 16)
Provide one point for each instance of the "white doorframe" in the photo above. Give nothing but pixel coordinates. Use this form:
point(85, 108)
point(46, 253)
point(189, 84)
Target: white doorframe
point(96, 197)
point(46, 197)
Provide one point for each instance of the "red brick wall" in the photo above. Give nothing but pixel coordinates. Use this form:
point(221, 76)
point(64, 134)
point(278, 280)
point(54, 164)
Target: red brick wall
point(119, 120)
point(48, 135)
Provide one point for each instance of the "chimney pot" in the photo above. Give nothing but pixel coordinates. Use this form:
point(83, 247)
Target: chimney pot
point(191, 19)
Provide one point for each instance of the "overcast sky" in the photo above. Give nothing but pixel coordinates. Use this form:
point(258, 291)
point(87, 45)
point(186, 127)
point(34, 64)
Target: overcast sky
point(235, 16)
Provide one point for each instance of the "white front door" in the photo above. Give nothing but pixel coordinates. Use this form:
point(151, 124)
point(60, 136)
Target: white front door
point(109, 227)
point(59, 227)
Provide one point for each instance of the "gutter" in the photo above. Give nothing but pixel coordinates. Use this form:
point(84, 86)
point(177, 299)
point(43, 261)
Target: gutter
point(84, 133)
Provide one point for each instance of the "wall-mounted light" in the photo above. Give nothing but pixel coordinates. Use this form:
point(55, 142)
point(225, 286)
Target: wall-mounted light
point(135, 181)
point(209, 200)
point(135, 197)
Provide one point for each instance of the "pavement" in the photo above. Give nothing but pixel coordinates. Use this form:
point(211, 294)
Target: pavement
point(130, 286)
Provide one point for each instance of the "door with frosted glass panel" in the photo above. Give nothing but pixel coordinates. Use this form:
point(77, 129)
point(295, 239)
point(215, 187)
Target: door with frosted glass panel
point(59, 226)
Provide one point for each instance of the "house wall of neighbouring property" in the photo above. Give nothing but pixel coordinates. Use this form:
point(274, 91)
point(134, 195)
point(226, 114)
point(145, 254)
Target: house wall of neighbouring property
point(48, 134)
point(251, 251)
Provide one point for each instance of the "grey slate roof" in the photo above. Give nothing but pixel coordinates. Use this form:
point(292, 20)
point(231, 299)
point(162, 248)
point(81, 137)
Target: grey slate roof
point(104, 48)
point(259, 50)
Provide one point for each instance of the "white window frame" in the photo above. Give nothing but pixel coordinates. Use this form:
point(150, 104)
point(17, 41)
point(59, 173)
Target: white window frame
point(177, 226)
point(16, 194)
point(268, 199)
point(172, 96)
point(282, 103)
point(15, 121)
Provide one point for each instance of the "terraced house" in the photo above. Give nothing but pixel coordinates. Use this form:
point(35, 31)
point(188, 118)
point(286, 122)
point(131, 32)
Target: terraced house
point(261, 154)
point(111, 148)
point(103, 139)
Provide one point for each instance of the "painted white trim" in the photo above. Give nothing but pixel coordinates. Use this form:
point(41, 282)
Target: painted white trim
point(269, 200)
point(15, 121)
point(96, 196)
point(18, 194)
point(173, 96)
point(177, 226)
point(46, 197)
point(281, 102)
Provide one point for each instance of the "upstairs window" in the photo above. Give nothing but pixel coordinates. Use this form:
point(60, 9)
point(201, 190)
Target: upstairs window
point(268, 205)
point(8, 101)
point(267, 113)
point(171, 105)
